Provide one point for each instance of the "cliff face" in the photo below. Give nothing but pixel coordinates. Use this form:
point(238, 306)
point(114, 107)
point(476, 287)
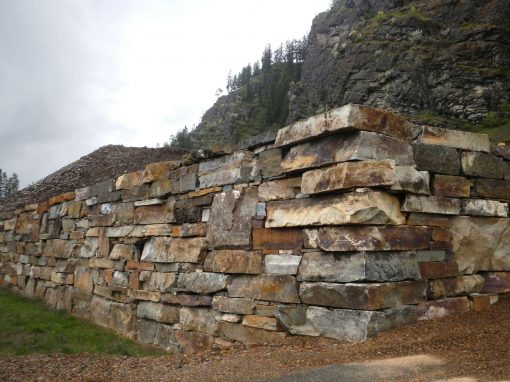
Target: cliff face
point(444, 57)
point(439, 62)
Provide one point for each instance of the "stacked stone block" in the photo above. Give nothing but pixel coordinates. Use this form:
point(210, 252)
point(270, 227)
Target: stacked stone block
point(350, 223)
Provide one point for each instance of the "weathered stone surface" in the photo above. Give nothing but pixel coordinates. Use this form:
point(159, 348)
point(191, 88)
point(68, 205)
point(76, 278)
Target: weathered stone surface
point(431, 205)
point(144, 295)
point(374, 238)
point(230, 221)
point(198, 319)
point(349, 175)
point(451, 186)
point(481, 244)
point(267, 323)
point(428, 220)
point(481, 302)
point(442, 308)
point(194, 229)
point(270, 163)
point(349, 267)
point(174, 250)
point(158, 171)
point(281, 288)
point(482, 165)
point(129, 180)
point(282, 264)
point(28, 228)
point(101, 263)
point(59, 248)
point(439, 270)
point(184, 183)
point(352, 325)
point(265, 238)
point(155, 214)
point(191, 342)
point(233, 305)
point(455, 286)
point(347, 118)
point(68, 196)
point(158, 312)
point(187, 299)
point(363, 296)
point(280, 189)
point(362, 206)
point(202, 282)
point(455, 138)
point(492, 188)
point(223, 170)
point(407, 178)
point(10, 224)
point(130, 195)
point(496, 282)
point(233, 261)
point(438, 159)
point(124, 252)
point(432, 255)
point(483, 207)
point(246, 334)
point(361, 145)
point(151, 332)
point(160, 282)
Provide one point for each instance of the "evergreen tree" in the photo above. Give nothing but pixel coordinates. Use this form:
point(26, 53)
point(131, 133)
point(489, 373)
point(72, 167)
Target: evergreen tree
point(8, 184)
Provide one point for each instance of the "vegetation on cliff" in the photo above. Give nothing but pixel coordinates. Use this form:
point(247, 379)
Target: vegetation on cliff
point(8, 184)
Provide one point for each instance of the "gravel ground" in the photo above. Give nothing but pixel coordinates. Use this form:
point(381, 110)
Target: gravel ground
point(475, 345)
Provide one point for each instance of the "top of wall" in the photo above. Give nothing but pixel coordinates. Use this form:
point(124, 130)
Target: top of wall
point(255, 163)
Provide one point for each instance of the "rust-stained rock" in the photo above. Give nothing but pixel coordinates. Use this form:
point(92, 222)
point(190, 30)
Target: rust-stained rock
point(482, 165)
point(482, 207)
point(431, 205)
point(363, 296)
point(270, 163)
point(279, 189)
point(280, 288)
point(493, 189)
point(481, 302)
point(481, 244)
point(158, 312)
point(233, 305)
point(267, 323)
point(158, 171)
point(361, 145)
point(347, 118)
point(496, 282)
point(230, 221)
point(124, 252)
point(59, 248)
point(349, 175)
point(155, 214)
point(28, 227)
point(438, 270)
point(268, 238)
point(248, 335)
point(371, 238)
point(442, 308)
point(350, 267)
point(129, 180)
point(191, 342)
point(68, 196)
point(429, 220)
point(451, 186)
point(174, 250)
point(455, 138)
point(362, 206)
point(456, 286)
point(437, 159)
point(76, 209)
point(192, 229)
point(233, 261)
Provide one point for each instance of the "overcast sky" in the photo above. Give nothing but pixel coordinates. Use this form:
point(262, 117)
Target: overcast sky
point(79, 74)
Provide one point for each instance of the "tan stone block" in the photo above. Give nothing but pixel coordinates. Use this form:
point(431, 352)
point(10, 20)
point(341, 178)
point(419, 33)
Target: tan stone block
point(267, 238)
point(144, 295)
point(233, 261)
point(68, 196)
point(159, 170)
point(280, 189)
point(455, 138)
point(139, 266)
point(267, 323)
point(452, 186)
point(129, 180)
point(280, 288)
point(248, 335)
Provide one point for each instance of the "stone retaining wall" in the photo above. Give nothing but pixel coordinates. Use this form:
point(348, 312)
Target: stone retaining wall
point(350, 223)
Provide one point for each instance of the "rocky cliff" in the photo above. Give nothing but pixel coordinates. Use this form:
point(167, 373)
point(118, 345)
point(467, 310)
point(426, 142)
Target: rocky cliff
point(440, 62)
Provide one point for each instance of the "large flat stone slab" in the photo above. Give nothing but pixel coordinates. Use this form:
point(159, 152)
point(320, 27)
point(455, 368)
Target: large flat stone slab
point(483, 207)
point(202, 282)
point(481, 244)
point(349, 175)
point(482, 165)
point(361, 145)
point(437, 159)
point(350, 267)
point(492, 188)
point(455, 138)
point(347, 118)
point(233, 261)
point(374, 296)
point(174, 250)
point(451, 186)
point(280, 288)
point(371, 238)
point(359, 207)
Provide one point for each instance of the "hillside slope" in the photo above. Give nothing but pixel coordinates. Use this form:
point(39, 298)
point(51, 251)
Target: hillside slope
point(440, 62)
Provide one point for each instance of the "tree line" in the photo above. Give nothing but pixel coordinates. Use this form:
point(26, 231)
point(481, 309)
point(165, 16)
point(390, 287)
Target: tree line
point(264, 87)
point(8, 184)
